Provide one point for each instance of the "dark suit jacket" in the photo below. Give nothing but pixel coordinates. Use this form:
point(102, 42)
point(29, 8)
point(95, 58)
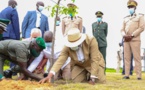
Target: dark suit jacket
point(29, 23)
point(13, 30)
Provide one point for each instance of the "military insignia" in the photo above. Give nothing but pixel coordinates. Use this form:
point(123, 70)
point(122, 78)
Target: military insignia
point(38, 42)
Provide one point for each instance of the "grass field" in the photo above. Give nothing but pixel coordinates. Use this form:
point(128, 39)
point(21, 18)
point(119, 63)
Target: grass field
point(114, 82)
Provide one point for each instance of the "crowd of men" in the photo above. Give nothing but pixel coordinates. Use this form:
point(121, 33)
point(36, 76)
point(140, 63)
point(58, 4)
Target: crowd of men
point(81, 58)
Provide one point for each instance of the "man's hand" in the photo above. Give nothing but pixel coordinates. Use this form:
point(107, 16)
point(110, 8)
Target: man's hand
point(91, 82)
point(47, 79)
point(127, 38)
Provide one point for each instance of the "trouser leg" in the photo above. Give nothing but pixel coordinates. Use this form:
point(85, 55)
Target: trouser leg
point(1, 64)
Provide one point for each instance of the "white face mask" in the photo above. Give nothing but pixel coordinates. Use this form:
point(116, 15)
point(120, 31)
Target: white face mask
point(40, 8)
point(131, 10)
point(74, 48)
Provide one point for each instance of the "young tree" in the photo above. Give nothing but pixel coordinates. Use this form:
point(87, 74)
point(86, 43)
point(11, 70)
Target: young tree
point(56, 10)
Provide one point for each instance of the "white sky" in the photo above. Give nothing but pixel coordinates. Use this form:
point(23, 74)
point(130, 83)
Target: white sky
point(114, 12)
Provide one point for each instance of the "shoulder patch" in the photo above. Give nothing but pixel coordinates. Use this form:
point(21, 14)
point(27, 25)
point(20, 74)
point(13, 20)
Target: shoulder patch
point(126, 16)
point(141, 14)
point(79, 17)
point(64, 17)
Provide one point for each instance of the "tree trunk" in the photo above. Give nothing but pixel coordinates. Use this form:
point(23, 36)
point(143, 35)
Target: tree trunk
point(53, 41)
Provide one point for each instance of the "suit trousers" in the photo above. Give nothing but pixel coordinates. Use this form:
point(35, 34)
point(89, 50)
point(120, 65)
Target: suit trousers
point(132, 47)
point(79, 74)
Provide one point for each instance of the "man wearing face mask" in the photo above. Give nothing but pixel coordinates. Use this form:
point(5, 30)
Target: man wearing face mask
point(133, 26)
point(35, 32)
point(87, 63)
point(22, 53)
point(10, 12)
point(38, 64)
point(71, 21)
point(35, 19)
point(100, 31)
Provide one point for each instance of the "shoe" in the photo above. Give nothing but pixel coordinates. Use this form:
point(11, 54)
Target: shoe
point(138, 78)
point(126, 77)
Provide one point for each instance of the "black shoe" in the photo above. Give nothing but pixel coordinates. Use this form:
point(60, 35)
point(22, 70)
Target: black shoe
point(138, 78)
point(126, 77)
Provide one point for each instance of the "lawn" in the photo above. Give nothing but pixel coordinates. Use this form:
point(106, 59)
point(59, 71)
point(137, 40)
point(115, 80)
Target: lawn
point(114, 82)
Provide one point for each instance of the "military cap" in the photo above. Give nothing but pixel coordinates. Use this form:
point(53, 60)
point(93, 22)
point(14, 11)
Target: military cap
point(40, 42)
point(71, 5)
point(99, 13)
point(132, 3)
point(4, 23)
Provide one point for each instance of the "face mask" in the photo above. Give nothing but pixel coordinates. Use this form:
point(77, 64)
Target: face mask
point(40, 8)
point(48, 44)
point(34, 52)
point(1, 36)
point(99, 19)
point(15, 7)
point(57, 23)
point(70, 15)
point(75, 48)
point(131, 11)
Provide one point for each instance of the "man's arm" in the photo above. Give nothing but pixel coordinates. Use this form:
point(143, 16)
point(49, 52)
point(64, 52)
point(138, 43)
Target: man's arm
point(96, 57)
point(63, 26)
point(80, 24)
point(26, 72)
point(25, 24)
point(46, 24)
point(141, 26)
point(22, 60)
point(35, 62)
point(106, 29)
point(15, 23)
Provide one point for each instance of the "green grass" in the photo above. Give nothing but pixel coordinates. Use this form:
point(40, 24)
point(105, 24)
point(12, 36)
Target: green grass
point(114, 82)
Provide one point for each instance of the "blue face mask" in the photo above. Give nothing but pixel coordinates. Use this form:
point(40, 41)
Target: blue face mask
point(99, 19)
point(48, 44)
point(57, 23)
point(40, 8)
point(131, 11)
point(70, 14)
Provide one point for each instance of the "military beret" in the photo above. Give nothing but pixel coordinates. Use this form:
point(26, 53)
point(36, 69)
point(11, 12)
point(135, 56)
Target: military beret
point(99, 13)
point(4, 23)
point(132, 3)
point(40, 42)
point(71, 5)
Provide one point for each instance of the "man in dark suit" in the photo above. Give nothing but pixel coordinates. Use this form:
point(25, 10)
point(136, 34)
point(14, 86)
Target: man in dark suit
point(100, 30)
point(10, 12)
point(13, 31)
point(35, 19)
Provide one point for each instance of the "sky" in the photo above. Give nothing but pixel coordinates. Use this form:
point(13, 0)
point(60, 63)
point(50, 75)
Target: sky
point(114, 12)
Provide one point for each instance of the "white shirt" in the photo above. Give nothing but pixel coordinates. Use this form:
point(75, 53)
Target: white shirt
point(46, 53)
point(38, 18)
point(80, 54)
